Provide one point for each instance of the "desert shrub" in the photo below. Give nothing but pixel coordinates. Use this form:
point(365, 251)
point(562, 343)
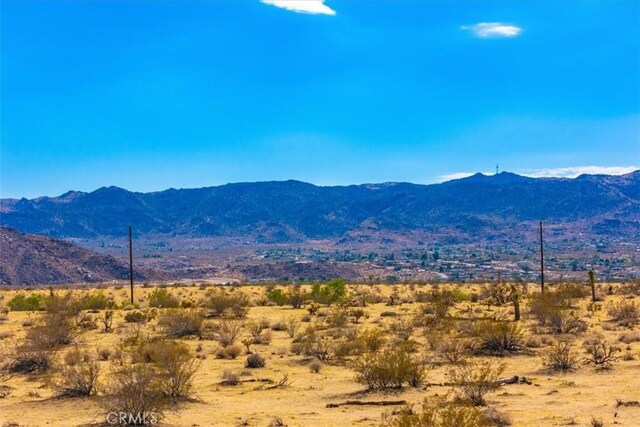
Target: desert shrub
point(229, 352)
point(389, 368)
point(313, 344)
point(292, 326)
point(357, 313)
point(403, 327)
point(295, 296)
point(329, 293)
point(104, 353)
point(176, 366)
point(277, 296)
point(560, 357)
point(255, 361)
point(544, 306)
point(28, 361)
point(566, 321)
point(136, 390)
point(226, 304)
point(227, 331)
point(497, 294)
point(137, 316)
point(439, 303)
point(436, 411)
point(55, 327)
point(452, 350)
point(77, 379)
point(20, 302)
point(337, 318)
point(600, 353)
point(628, 337)
point(624, 313)
point(498, 338)
point(315, 366)
point(230, 378)
point(107, 321)
point(474, 381)
point(181, 322)
point(495, 418)
point(569, 291)
point(255, 328)
point(373, 339)
point(95, 301)
point(162, 298)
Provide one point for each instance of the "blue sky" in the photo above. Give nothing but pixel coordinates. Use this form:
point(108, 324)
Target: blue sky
point(149, 95)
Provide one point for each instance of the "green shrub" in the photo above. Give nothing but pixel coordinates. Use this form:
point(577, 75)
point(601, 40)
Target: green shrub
point(178, 322)
point(436, 411)
point(333, 291)
point(498, 338)
point(277, 296)
point(226, 304)
point(162, 298)
point(20, 302)
point(95, 301)
point(560, 357)
point(389, 368)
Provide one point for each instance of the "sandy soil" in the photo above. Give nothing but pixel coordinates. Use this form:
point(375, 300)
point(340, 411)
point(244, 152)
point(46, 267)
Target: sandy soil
point(552, 399)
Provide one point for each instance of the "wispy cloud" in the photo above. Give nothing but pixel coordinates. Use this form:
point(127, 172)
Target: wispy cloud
point(567, 172)
point(574, 171)
point(487, 30)
point(313, 7)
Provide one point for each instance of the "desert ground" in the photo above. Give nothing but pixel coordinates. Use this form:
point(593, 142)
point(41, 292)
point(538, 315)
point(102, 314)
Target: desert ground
point(438, 326)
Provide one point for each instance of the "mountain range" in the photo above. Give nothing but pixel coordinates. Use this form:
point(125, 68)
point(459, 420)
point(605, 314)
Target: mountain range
point(495, 207)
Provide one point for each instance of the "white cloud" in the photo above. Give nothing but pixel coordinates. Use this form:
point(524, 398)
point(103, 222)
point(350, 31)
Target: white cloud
point(487, 30)
point(314, 7)
point(574, 171)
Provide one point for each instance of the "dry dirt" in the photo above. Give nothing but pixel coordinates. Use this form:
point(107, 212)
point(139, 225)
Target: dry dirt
point(551, 399)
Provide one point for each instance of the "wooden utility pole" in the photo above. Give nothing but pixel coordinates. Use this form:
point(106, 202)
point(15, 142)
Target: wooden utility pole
point(541, 261)
point(131, 262)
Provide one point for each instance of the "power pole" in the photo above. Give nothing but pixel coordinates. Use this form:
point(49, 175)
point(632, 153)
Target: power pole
point(131, 262)
point(541, 261)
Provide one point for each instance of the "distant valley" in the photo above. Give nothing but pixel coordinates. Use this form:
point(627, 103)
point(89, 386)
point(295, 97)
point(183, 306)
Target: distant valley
point(467, 229)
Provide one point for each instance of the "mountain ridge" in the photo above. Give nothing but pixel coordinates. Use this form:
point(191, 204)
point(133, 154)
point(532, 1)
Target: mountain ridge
point(294, 211)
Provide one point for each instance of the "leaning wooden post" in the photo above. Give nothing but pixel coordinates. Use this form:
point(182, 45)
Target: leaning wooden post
point(515, 297)
point(131, 262)
point(592, 282)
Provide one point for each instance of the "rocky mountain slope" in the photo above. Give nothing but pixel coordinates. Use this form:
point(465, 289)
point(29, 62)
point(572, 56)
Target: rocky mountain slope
point(29, 259)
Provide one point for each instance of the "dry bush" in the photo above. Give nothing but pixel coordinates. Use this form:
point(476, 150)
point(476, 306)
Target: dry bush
point(403, 327)
point(292, 326)
point(560, 357)
point(104, 353)
point(77, 379)
point(255, 361)
point(474, 381)
point(600, 354)
point(337, 317)
point(177, 366)
point(107, 321)
point(229, 352)
point(226, 304)
point(544, 306)
point(389, 368)
point(497, 294)
point(453, 350)
point(498, 338)
point(566, 321)
point(136, 390)
point(493, 417)
point(624, 313)
point(140, 316)
point(628, 337)
point(436, 411)
point(315, 366)
point(181, 322)
point(226, 331)
point(230, 378)
point(29, 362)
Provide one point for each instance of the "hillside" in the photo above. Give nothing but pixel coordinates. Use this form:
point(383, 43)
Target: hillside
point(465, 210)
point(29, 259)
